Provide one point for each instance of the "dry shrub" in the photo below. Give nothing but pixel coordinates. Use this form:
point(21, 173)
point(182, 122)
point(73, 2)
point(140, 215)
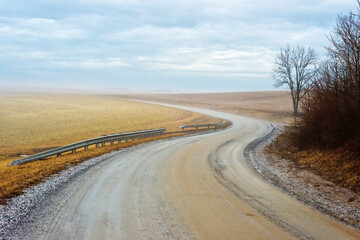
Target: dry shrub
point(331, 108)
point(330, 116)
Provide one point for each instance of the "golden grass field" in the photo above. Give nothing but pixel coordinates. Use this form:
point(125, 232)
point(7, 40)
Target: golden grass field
point(31, 123)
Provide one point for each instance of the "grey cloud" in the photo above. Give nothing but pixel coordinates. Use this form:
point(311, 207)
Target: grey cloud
point(213, 39)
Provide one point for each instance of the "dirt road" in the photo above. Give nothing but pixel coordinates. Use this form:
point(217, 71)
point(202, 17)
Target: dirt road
point(197, 187)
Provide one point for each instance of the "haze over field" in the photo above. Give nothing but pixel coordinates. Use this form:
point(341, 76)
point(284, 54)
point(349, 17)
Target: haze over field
point(187, 46)
point(274, 106)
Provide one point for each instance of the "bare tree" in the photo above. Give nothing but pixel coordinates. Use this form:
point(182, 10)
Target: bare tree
point(346, 46)
point(294, 67)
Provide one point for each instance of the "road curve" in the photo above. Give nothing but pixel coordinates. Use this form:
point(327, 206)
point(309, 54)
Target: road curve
point(197, 187)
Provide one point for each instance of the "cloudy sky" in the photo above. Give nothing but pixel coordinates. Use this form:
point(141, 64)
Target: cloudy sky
point(187, 45)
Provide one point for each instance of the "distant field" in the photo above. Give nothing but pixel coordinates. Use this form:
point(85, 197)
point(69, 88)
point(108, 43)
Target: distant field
point(31, 123)
point(274, 106)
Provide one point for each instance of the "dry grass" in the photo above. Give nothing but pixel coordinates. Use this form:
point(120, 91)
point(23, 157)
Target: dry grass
point(274, 106)
point(32, 123)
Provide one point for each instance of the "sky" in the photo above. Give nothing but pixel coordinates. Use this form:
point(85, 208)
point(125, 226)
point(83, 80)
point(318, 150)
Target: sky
point(156, 45)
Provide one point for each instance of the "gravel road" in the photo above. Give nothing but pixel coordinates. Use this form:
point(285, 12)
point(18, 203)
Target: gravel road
point(196, 187)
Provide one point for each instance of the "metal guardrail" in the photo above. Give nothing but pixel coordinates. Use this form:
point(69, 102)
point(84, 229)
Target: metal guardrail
point(94, 141)
point(197, 126)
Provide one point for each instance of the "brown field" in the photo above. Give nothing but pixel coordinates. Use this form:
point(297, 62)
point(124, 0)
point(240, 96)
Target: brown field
point(32, 123)
point(274, 106)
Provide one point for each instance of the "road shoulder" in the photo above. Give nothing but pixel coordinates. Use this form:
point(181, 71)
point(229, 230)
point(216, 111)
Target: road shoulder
point(337, 202)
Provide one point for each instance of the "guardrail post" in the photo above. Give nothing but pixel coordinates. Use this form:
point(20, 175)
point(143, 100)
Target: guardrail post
point(111, 142)
point(97, 145)
point(199, 126)
point(58, 155)
point(73, 151)
point(126, 139)
point(86, 148)
point(103, 144)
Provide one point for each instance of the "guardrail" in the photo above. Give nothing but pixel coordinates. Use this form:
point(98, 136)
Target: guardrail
point(197, 126)
point(94, 141)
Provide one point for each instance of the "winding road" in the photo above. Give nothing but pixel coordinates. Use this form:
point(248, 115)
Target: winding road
point(195, 187)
